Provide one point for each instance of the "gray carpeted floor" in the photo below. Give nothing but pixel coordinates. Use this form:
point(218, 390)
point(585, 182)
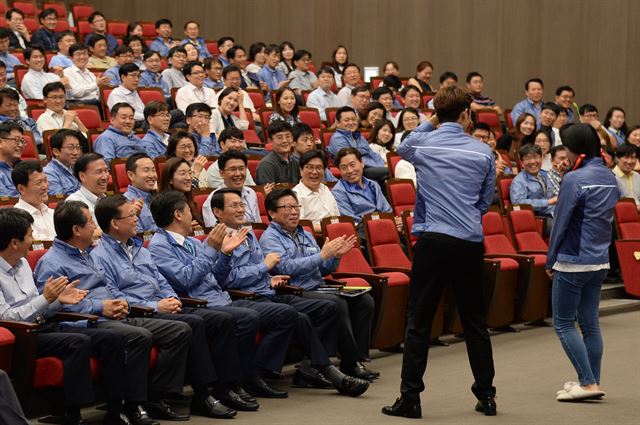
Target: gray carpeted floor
point(530, 367)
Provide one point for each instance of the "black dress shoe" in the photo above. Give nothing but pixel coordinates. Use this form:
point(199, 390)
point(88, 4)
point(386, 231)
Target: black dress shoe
point(361, 372)
point(140, 417)
point(403, 408)
point(212, 408)
point(233, 400)
point(351, 386)
point(487, 406)
point(244, 395)
point(311, 379)
point(161, 410)
point(259, 388)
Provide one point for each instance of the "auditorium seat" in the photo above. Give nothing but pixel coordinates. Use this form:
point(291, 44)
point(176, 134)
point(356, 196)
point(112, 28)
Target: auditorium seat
point(257, 97)
point(402, 195)
point(389, 290)
point(311, 117)
point(627, 225)
point(528, 241)
point(19, 71)
point(117, 29)
point(491, 118)
point(503, 184)
point(264, 216)
point(627, 219)
point(81, 11)
point(30, 150)
point(119, 174)
point(392, 161)
point(148, 94)
point(258, 229)
point(200, 196)
point(89, 115)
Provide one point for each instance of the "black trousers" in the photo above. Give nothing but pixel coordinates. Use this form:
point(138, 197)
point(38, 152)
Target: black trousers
point(315, 326)
point(74, 350)
point(355, 319)
point(443, 261)
point(276, 322)
point(172, 341)
point(10, 409)
point(379, 174)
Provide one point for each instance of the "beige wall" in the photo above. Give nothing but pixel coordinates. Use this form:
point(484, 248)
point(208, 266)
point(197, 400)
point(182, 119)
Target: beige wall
point(592, 45)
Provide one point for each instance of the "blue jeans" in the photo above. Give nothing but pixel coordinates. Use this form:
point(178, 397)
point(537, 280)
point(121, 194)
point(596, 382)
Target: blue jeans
point(577, 295)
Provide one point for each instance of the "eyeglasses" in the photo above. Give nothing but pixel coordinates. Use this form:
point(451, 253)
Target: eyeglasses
point(162, 115)
point(198, 73)
point(318, 168)
point(17, 140)
point(73, 148)
point(410, 118)
point(234, 170)
point(283, 137)
point(184, 173)
point(189, 147)
point(289, 208)
point(200, 116)
point(130, 215)
point(132, 75)
point(237, 205)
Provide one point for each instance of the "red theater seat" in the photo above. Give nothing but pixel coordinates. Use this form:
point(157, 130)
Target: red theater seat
point(402, 194)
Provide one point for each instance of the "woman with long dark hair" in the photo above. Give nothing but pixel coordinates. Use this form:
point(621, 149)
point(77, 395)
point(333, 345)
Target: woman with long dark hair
point(520, 134)
point(578, 257)
point(176, 175)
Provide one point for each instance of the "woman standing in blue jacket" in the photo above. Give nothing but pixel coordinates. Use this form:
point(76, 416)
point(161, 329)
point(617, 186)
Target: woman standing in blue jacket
point(578, 257)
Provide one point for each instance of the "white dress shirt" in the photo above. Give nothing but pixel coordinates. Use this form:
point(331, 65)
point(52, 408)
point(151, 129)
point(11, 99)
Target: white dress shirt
point(50, 120)
point(316, 205)
point(82, 84)
point(34, 81)
point(344, 96)
point(214, 179)
point(321, 100)
point(122, 94)
point(85, 195)
point(43, 229)
point(217, 125)
point(405, 170)
point(189, 94)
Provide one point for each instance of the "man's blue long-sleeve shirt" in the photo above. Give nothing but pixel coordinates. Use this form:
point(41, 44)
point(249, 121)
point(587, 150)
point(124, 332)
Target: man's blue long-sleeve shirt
point(346, 139)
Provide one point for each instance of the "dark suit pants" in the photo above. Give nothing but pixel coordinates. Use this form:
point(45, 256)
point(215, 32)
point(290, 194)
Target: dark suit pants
point(440, 261)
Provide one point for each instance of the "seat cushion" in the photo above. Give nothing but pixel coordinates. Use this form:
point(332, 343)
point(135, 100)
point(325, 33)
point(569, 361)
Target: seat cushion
point(507, 264)
point(396, 279)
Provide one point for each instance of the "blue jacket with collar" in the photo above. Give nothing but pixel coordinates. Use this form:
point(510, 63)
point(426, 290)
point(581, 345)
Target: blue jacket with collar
point(456, 180)
point(352, 201)
point(525, 189)
point(61, 179)
point(346, 139)
point(153, 145)
point(145, 219)
point(581, 231)
point(113, 143)
point(63, 259)
point(299, 258)
point(248, 272)
point(137, 280)
point(195, 276)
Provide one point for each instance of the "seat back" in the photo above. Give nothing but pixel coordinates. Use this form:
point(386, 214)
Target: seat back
point(89, 115)
point(495, 238)
point(524, 229)
point(331, 115)
point(258, 229)
point(19, 71)
point(81, 11)
point(265, 116)
point(627, 219)
point(148, 94)
point(392, 161)
point(119, 174)
point(504, 184)
point(352, 261)
point(262, 209)
point(402, 194)
point(58, 6)
point(325, 137)
point(34, 256)
point(383, 241)
point(257, 97)
point(200, 196)
point(311, 117)
point(212, 45)
point(117, 29)
point(104, 95)
point(490, 117)
point(30, 150)
point(84, 29)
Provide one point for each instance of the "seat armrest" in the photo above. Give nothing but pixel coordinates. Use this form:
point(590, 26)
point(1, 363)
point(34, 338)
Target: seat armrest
point(66, 316)
point(193, 302)
point(139, 311)
point(392, 270)
point(329, 282)
point(288, 290)
point(520, 258)
point(369, 277)
point(20, 326)
point(539, 252)
point(237, 294)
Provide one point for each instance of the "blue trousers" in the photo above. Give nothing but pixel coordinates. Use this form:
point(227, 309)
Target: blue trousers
point(576, 296)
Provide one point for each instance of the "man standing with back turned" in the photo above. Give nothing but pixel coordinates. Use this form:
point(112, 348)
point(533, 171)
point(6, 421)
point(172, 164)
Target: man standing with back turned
point(450, 251)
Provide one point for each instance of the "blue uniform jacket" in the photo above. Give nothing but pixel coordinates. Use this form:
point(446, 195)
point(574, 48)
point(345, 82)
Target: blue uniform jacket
point(581, 231)
point(299, 256)
point(346, 139)
point(113, 143)
point(207, 146)
point(61, 179)
point(195, 276)
point(145, 219)
point(248, 272)
point(7, 188)
point(355, 202)
point(153, 145)
point(527, 190)
point(456, 180)
point(137, 280)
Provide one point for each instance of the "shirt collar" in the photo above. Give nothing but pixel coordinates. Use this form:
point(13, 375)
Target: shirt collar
point(30, 208)
point(120, 132)
point(177, 236)
point(139, 193)
point(90, 196)
point(6, 267)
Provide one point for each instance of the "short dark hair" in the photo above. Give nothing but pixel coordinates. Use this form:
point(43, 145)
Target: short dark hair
point(46, 12)
point(271, 48)
point(349, 65)
point(59, 36)
point(392, 81)
point(446, 75)
point(560, 89)
point(122, 50)
point(12, 11)
point(229, 69)
point(299, 54)
point(94, 38)
point(229, 155)
point(29, 51)
point(279, 126)
point(231, 53)
point(191, 22)
point(343, 110)
point(581, 139)
point(14, 224)
point(131, 164)
point(186, 70)
point(172, 144)
point(4, 33)
point(528, 149)
point(230, 133)
point(481, 126)
point(451, 102)
point(217, 200)
point(174, 50)
point(208, 63)
point(358, 89)
point(83, 162)
point(533, 80)
point(127, 69)
point(586, 108)
point(67, 215)
point(23, 169)
point(226, 92)
point(57, 139)
point(55, 86)
point(197, 107)
point(8, 126)
point(624, 151)
point(164, 204)
point(300, 129)
point(94, 15)
point(405, 111)
point(107, 209)
point(347, 151)
point(221, 40)
point(163, 21)
point(271, 201)
point(150, 53)
point(7, 93)
point(381, 90)
point(473, 74)
point(554, 150)
point(154, 107)
point(312, 154)
point(326, 69)
point(120, 105)
point(77, 47)
point(552, 107)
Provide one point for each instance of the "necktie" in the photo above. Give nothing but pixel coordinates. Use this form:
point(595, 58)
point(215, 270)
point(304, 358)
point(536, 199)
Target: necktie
point(190, 247)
